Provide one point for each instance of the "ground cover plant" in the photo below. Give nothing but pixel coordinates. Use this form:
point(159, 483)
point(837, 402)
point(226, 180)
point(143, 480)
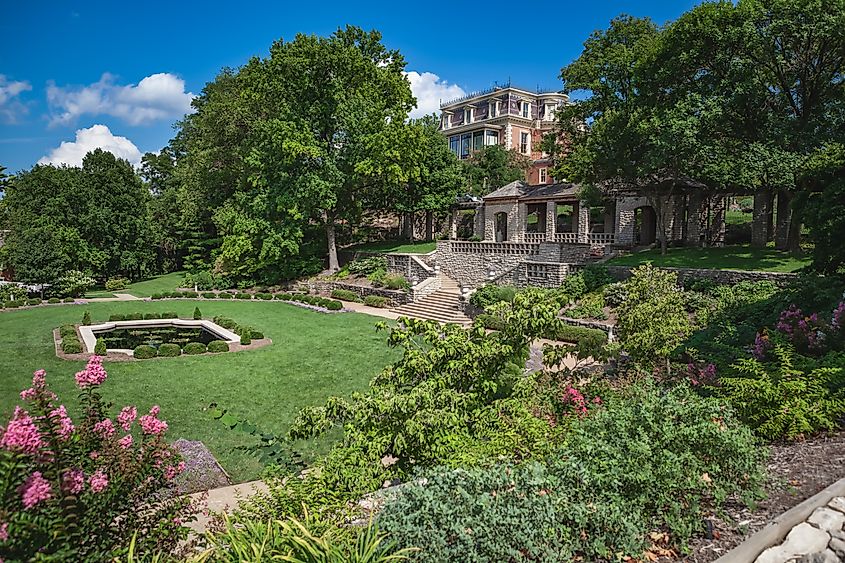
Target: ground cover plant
point(322, 355)
point(741, 257)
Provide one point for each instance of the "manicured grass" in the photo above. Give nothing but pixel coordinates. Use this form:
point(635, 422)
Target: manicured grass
point(394, 246)
point(313, 356)
point(737, 217)
point(145, 288)
point(727, 258)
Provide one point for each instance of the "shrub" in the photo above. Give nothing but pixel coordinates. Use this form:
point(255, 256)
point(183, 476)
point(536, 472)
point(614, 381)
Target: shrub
point(282, 296)
point(71, 345)
point(203, 280)
point(86, 318)
point(169, 315)
point(209, 295)
point(366, 266)
point(590, 306)
point(169, 350)
point(256, 334)
point(144, 352)
point(225, 322)
point(334, 305)
point(67, 330)
point(12, 304)
point(152, 316)
point(157, 296)
point(652, 320)
point(34, 301)
point(246, 336)
point(396, 281)
point(73, 284)
point(264, 296)
point(189, 294)
point(54, 300)
point(491, 322)
point(60, 501)
point(224, 295)
point(100, 347)
point(117, 317)
point(781, 401)
point(376, 301)
point(646, 460)
point(243, 296)
point(578, 334)
point(490, 294)
point(68, 300)
point(134, 316)
point(217, 346)
point(12, 292)
point(197, 314)
point(596, 276)
point(194, 348)
point(345, 295)
point(116, 283)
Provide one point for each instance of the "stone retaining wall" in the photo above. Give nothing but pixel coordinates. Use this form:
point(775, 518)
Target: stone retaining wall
point(412, 266)
point(726, 277)
point(398, 297)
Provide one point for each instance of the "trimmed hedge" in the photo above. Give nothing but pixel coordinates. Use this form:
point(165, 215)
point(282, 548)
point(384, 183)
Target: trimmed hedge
point(218, 346)
point(71, 345)
point(246, 337)
point(86, 318)
point(256, 334)
point(152, 316)
point(225, 322)
point(33, 301)
point(54, 300)
point(264, 296)
point(197, 314)
point(243, 296)
point(117, 317)
point(144, 352)
point(134, 317)
point(576, 334)
point(100, 347)
point(170, 315)
point(169, 350)
point(346, 295)
point(224, 296)
point(376, 301)
point(283, 296)
point(68, 300)
point(209, 295)
point(194, 348)
point(157, 296)
point(67, 331)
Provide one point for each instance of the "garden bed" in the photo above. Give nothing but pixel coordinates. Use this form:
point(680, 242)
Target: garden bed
point(796, 471)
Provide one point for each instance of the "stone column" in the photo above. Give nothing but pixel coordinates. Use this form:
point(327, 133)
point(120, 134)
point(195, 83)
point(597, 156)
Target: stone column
point(761, 218)
point(519, 223)
point(478, 223)
point(624, 222)
point(551, 219)
point(453, 224)
point(583, 229)
point(718, 204)
point(676, 230)
point(694, 219)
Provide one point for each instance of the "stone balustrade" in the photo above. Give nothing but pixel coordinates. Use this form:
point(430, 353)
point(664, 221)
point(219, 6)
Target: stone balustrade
point(499, 248)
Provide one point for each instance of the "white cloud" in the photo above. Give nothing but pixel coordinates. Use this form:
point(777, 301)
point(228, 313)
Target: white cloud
point(96, 136)
point(158, 96)
point(430, 90)
point(10, 106)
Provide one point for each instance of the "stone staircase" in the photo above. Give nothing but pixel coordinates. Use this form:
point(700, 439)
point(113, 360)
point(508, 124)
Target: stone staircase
point(444, 305)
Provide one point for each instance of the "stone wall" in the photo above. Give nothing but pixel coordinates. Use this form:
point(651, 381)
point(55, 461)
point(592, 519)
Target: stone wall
point(514, 223)
point(725, 277)
point(397, 296)
point(412, 266)
point(566, 252)
point(474, 263)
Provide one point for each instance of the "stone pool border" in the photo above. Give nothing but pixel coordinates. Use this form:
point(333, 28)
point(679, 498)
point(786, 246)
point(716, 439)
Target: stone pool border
point(89, 340)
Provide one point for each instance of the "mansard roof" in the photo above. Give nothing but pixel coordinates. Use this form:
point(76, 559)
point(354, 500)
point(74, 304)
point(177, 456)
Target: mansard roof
point(523, 192)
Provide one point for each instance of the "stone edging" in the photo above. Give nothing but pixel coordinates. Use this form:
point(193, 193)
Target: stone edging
point(89, 340)
point(776, 530)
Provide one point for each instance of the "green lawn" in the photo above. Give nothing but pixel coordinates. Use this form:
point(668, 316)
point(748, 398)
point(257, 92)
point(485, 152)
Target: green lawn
point(725, 258)
point(313, 356)
point(145, 288)
point(394, 246)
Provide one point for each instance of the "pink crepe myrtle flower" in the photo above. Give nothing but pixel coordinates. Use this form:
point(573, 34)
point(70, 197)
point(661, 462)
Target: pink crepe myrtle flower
point(98, 481)
point(838, 319)
point(35, 489)
point(65, 423)
point(4, 531)
point(126, 417)
point(105, 428)
point(21, 434)
point(152, 425)
point(38, 383)
point(94, 374)
point(574, 397)
point(171, 471)
point(94, 454)
point(73, 481)
point(125, 442)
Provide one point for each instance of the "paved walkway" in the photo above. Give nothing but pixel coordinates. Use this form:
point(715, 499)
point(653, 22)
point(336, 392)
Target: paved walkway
point(117, 297)
point(374, 311)
point(224, 499)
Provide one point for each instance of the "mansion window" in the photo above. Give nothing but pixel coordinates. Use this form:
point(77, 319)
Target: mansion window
point(526, 109)
point(466, 140)
point(523, 142)
point(454, 144)
point(446, 120)
point(494, 109)
point(492, 138)
point(468, 115)
point(543, 176)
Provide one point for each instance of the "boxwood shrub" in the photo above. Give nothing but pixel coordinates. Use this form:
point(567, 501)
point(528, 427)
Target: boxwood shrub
point(134, 316)
point(144, 352)
point(100, 347)
point(225, 322)
point(264, 296)
point(170, 315)
point(67, 331)
point(117, 317)
point(33, 301)
point(190, 294)
point(256, 334)
point(71, 345)
point(156, 296)
point(283, 296)
point(576, 334)
point(491, 322)
point(54, 300)
point(346, 295)
point(334, 305)
point(68, 300)
point(209, 295)
point(169, 350)
point(224, 295)
point(246, 336)
point(376, 301)
point(217, 346)
point(194, 348)
point(243, 296)
point(152, 316)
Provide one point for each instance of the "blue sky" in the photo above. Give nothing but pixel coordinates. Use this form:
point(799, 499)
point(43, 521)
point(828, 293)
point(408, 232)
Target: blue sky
point(118, 75)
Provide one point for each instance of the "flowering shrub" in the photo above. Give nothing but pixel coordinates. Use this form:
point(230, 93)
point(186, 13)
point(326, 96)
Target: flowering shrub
point(701, 375)
point(78, 490)
point(808, 334)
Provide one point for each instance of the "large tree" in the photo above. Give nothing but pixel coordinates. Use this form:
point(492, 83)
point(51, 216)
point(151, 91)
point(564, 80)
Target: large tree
point(492, 167)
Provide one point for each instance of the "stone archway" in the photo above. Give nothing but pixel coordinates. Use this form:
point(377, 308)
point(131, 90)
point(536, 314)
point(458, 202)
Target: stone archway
point(645, 225)
point(501, 222)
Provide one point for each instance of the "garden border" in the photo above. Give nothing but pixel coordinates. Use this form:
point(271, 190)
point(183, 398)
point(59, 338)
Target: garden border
point(89, 340)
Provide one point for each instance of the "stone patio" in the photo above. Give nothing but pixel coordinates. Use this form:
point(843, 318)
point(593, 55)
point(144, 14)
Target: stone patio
point(819, 539)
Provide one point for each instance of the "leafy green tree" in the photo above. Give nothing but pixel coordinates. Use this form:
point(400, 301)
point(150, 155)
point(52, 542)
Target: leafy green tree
point(492, 167)
point(652, 319)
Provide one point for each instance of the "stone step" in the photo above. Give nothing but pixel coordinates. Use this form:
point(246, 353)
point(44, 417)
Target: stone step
point(442, 306)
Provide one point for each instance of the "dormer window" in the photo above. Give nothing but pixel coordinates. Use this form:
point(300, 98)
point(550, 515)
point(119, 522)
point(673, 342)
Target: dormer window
point(494, 109)
point(446, 120)
point(550, 112)
point(468, 115)
point(526, 109)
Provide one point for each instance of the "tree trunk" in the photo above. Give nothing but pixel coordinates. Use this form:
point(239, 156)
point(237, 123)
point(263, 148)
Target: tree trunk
point(784, 220)
point(429, 225)
point(793, 242)
point(411, 218)
point(760, 220)
point(328, 221)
